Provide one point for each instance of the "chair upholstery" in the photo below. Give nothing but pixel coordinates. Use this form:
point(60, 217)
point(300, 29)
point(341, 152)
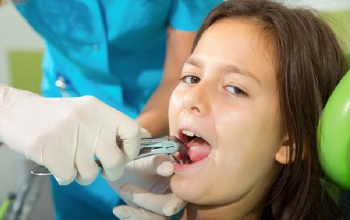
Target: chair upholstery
point(334, 134)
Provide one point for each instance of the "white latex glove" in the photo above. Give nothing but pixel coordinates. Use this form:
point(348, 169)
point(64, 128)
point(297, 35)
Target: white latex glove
point(65, 134)
point(148, 194)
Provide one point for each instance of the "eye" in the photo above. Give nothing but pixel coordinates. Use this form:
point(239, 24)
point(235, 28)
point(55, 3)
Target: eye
point(190, 79)
point(235, 90)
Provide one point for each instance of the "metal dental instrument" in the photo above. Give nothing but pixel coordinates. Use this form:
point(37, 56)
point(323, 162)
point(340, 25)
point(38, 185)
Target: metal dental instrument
point(149, 146)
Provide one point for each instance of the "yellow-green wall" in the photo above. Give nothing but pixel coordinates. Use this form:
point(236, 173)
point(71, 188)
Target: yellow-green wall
point(340, 23)
point(25, 69)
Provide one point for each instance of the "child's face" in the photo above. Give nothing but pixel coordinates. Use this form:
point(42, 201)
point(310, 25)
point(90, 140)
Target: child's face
point(229, 98)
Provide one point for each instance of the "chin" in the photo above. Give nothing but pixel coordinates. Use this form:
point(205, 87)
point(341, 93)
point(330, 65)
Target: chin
point(189, 190)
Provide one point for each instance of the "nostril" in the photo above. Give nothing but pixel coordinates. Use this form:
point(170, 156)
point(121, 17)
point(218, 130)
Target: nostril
point(195, 109)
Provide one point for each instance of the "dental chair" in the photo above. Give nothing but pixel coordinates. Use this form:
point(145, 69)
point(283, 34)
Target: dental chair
point(334, 137)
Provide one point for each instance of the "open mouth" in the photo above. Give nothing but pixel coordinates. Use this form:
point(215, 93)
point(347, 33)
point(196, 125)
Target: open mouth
point(197, 147)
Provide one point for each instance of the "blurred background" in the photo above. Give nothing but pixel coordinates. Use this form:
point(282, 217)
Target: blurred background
point(20, 66)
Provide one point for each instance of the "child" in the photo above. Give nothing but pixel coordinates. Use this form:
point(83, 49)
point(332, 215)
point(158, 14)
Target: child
point(247, 108)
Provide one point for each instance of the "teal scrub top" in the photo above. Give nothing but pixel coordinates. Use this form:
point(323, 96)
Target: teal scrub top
point(113, 50)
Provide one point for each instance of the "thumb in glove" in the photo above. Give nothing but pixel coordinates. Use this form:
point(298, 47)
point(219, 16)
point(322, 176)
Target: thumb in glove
point(150, 205)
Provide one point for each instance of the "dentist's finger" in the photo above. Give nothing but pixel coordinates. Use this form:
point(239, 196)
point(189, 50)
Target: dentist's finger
point(110, 151)
point(174, 205)
point(130, 213)
point(167, 204)
point(129, 132)
point(87, 169)
point(157, 164)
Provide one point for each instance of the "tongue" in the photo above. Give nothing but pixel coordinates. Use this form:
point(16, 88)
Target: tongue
point(198, 149)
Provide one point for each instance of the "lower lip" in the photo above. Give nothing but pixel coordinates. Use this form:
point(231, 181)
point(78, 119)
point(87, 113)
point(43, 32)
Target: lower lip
point(178, 168)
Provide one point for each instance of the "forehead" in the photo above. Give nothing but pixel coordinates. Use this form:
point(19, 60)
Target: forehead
point(241, 33)
point(240, 42)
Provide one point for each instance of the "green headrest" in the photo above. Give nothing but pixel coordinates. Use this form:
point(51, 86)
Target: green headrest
point(334, 134)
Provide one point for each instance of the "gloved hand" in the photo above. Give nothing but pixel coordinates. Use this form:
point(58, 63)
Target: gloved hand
point(65, 134)
point(148, 194)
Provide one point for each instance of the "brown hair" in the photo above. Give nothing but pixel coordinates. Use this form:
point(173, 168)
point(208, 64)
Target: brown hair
point(310, 63)
point(3, 2)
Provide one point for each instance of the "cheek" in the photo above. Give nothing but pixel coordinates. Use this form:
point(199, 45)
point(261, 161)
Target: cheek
point(234, 126)
point(249, 138)
point(175, 105)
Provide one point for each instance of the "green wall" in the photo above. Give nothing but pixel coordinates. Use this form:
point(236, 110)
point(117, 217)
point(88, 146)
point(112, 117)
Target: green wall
point(25, 69)
point(340, 23)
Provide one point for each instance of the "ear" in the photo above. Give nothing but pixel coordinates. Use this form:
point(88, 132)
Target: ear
point(282, 154)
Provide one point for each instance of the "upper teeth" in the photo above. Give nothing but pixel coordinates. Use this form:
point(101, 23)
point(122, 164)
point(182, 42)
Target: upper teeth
point(188, 133)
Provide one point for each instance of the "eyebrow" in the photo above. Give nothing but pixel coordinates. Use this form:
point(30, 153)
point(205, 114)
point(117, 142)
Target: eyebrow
point(224, 68)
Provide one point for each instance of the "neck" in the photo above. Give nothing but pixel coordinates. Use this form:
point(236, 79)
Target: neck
point(193, 211)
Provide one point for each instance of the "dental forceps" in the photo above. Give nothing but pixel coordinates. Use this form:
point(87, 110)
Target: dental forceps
point(149, 146)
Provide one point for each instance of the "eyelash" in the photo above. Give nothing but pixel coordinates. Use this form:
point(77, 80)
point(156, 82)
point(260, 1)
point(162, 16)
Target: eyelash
point(237, 91)
point(185, 78)
point(194, 80)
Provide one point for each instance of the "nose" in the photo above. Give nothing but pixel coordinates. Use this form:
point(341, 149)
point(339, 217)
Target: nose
point(197, 99)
